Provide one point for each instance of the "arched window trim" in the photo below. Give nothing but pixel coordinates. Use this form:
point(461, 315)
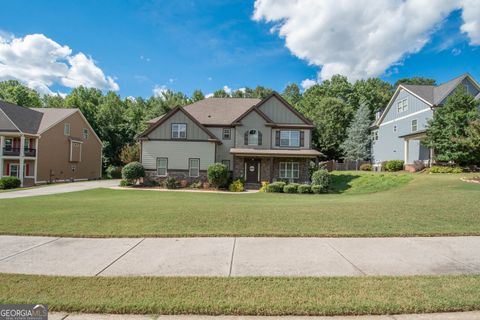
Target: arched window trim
point(253, 137)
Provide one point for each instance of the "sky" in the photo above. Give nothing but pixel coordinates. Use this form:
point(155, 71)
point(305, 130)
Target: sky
point(139, 48)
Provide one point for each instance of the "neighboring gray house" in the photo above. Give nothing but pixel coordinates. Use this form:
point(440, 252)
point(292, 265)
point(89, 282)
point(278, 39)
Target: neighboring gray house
point(259, 140)
point(398, 130)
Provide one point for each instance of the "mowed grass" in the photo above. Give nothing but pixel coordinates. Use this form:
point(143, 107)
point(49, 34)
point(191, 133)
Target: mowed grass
point(245, 296)
point(412, 205)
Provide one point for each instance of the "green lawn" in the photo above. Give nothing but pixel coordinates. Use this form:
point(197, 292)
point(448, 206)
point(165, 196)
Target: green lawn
point(394, 205)
point(245, 296)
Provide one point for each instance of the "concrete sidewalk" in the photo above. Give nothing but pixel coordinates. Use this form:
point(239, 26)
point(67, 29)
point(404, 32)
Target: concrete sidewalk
point(59, 188)
point(239, 256)
point(474, 315)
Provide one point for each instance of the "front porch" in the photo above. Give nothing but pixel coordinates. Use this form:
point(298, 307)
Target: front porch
point(421, 153)
point(18, 154)
point(258, 165)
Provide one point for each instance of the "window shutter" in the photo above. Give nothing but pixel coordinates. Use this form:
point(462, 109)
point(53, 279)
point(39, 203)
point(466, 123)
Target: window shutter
point(8, 169)
point(259, 138)
point(277, 138)
point(302, 138)
point(27, 169)
point(246, 138)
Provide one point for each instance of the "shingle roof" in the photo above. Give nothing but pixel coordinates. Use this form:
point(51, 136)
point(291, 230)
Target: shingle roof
point(154, 120)
point(424, 92)
point(52, 116)
point(25, 119)
point(220, 110)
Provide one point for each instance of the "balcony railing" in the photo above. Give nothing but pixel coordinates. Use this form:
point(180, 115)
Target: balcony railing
point(29, 152)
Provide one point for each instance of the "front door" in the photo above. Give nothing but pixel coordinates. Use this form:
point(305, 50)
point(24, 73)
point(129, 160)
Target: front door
point(252, 168)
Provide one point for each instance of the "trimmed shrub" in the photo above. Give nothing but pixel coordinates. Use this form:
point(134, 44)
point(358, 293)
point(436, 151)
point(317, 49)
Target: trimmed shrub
point(133, 172)
point(10, 183)
point(276, 186)
point(264, 186)
point(113, 172)
point(217, 175)
point(304, 188)
point(124, 183)
point(196, 185)
point(236, 186)
point(321, 178)
point(317, 189)
point(291, 188)
point(442, 169)
point(394, 165)
point(366, 167)
point(171, 183)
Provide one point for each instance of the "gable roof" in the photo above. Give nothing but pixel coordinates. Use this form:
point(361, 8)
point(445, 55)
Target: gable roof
point(286, 104)
point(170, 114)
point(52, 116)
point(213, 111)
point(26, 120)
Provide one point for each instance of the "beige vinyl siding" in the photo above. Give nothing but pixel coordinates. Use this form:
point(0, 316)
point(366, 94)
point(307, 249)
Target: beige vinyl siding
point(164, 131)
point(307, 133)
point(223, 150)
point(177, 153)
point(253, 121)
point(277, 111)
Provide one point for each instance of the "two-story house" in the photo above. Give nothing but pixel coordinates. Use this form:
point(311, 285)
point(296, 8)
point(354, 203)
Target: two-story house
point(40, 145)
point(398, 131)
point(259, 140)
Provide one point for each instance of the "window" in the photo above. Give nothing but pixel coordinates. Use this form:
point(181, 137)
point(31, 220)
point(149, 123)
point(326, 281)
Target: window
point(226, 163)
point(402, 106)
point(179, 131)
point(253, 137)
point(66, 129)
point(193, 167)
point(162, 166)
point(85, 133)
point(375, 135)
point(26, 144)
point(14, 170)
point(414, 125)
point(8, 144)
point(395, 128)
point(289, 170)
point(227, 134)
point(289, 138)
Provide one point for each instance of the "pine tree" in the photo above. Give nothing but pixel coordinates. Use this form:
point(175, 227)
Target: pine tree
point(357, 144)
point(448, 129)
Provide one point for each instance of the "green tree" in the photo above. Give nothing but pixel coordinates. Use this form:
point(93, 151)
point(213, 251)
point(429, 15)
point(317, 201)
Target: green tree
point(292, 94)
point(197, 95)
point(416, 81)
point(373, 92)
point(357, 144)
point(331, 118)
point(53, 101)
point(238, 94)
point(19, 94)
point(87, 100)
point(472, 141)
point(221, 94)
point(447, 131)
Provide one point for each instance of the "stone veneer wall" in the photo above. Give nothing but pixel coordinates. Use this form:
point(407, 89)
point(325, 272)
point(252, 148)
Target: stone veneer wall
point(151, 175)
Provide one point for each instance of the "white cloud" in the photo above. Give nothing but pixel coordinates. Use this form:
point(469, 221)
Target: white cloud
point(227, 89)
point(40, 62)
point(456, 51)
point(210, 95)
point(361, 38)
point(307, 83)
point(159, 91)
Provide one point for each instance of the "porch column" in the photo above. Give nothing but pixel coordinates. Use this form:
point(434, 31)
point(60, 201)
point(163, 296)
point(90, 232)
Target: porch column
point(2, 143)
point(271, 170)
point(430, 162)
point(22, 160)
point(406, 151)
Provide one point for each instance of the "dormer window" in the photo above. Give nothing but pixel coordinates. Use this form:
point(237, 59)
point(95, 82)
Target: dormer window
point(179, 130)
point(402, 106)
point(253, 137)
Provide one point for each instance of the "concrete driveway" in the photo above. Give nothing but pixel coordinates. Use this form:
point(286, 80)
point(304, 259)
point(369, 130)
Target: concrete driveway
point(59, 188)
point(239, 256)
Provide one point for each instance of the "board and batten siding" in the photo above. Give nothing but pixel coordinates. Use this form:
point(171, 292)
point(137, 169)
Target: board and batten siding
point(164, 130)
point(253, 121)
point(471, 88)
point(389, 146)
point(178, 153)
point(279, 113)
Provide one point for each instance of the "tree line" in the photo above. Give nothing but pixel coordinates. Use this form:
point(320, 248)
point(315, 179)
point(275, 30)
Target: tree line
point(340, 110)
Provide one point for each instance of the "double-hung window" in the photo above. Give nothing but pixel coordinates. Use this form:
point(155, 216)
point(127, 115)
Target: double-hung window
point(162, 167)
point(414, 125)
point(8, 144)
point(253, 137)
point(179, 130)
point(194, 167)
point(85, 133)
point(375, 135)
point(289, 170)
point(227, 134)
point(290, 138)
point(66, 129)
point(402, 106)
